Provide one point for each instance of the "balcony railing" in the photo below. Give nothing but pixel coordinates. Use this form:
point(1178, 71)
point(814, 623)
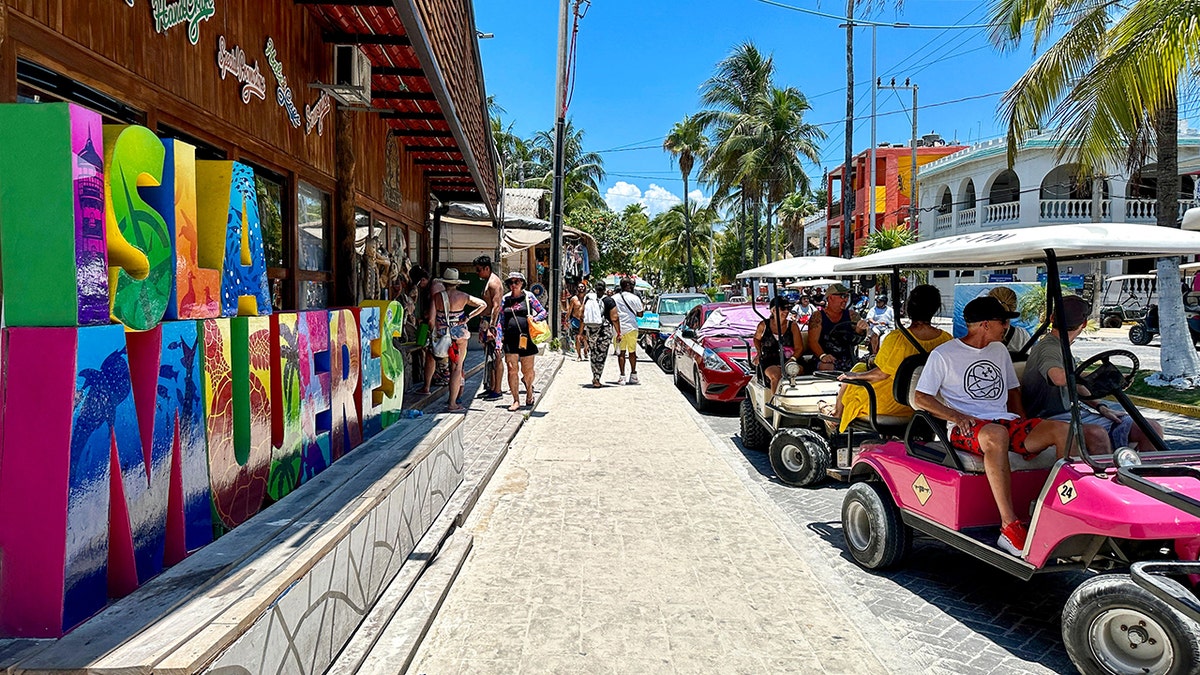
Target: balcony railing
point(1146, 210)
point(967, 217)
point(835, 209)
point(943, 221)
point(996, 214)
point(1072, 210)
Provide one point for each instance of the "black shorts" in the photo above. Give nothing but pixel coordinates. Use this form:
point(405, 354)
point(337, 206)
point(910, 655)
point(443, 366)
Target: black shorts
point(512, 344)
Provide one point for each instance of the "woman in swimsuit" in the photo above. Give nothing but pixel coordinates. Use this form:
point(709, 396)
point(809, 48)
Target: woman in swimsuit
point(776, 337)
point(452, 317)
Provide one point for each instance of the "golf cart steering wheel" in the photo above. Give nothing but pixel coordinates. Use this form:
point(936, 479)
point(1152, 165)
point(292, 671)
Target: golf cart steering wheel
point(1106, 379)
point(845, 338)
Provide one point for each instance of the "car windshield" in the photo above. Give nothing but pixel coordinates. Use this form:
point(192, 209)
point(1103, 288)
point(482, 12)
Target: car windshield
point(679, 305)
point(741, 321)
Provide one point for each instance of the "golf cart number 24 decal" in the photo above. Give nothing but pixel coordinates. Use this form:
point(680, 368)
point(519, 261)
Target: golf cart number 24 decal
point(1067, 492)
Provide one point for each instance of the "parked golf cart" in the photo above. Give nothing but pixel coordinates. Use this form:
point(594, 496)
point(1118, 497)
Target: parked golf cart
point(1088, 512)
point(788, 423)
point(1126, 298)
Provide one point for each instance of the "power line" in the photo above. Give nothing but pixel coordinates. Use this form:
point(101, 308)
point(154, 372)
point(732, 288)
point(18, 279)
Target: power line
point(894, 24)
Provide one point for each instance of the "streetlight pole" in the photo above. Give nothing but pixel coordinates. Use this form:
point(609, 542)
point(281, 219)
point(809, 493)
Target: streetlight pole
point(871, 174)
point(912, 190)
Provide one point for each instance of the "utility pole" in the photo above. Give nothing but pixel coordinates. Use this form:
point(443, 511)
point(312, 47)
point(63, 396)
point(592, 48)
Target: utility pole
point(560, 125)
point(847, 188)
point(871, 174)
point(912, 190)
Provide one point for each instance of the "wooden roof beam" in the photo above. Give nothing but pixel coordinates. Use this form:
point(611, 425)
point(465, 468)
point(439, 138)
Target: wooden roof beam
point(433, 148)
point(457, 174)
point(415, 116)
point(403, 95)
point(436, 162)
point(391, 71)
point(422, 133)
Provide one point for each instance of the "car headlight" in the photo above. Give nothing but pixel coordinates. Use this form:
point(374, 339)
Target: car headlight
point(713, 361)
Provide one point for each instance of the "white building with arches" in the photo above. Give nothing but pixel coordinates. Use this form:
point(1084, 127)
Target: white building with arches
point(974, 190)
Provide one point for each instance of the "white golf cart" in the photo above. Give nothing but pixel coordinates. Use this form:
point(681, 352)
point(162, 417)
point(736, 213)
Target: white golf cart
point(788, 423)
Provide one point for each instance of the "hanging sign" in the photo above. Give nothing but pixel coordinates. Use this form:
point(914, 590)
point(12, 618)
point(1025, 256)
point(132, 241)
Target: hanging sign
point(315, 114)
point(167, 15)
point(283, 93)
point(233, 62)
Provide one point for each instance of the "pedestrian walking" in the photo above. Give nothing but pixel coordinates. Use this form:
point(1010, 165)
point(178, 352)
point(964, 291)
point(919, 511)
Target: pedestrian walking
point(451, 320)
point(600, 324)
point(629, 308)
point(575, 321)
point(517, 308)
point(426, 290)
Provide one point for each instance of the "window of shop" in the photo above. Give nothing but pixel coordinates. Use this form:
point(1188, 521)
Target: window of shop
point(204, 150)
point(313, 216)
point(36, 84)
point(271, 188)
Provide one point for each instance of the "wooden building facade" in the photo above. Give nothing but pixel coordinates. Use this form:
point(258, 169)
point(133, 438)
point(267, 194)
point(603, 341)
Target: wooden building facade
point(236, 79)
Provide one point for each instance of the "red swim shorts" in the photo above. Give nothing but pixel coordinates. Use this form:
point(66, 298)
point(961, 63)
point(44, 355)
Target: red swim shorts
point(1018, 430)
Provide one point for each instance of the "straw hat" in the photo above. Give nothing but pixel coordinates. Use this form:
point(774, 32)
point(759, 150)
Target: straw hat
point(450, 277)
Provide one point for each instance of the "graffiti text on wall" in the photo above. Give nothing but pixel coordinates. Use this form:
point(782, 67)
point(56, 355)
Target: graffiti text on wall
point(233, 62)
point(283, 93)
point(167, 15)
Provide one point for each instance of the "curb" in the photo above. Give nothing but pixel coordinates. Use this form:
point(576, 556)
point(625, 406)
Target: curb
point(1167, 406)
point(425, 400)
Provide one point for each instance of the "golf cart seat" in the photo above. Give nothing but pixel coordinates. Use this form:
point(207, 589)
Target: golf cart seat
point(802, 396)
point(926, 435)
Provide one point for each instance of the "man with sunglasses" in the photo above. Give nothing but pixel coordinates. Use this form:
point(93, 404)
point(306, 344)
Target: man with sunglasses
point(830, 354)
point(972, 385)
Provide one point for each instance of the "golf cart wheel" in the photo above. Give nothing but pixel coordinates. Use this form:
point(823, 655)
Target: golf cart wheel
point(666, 360)
point(1138, 335)
point(799, 457)
point(871, 524)
point(754, 436)
point(1112, 321)
point(1112, 625)
point(702, 403)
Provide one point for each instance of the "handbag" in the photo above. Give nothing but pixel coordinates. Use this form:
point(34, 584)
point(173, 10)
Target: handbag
point(539, 331)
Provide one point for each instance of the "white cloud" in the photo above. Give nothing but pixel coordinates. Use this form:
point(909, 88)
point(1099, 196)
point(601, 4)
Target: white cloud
point(621, 195)
point(655, 198)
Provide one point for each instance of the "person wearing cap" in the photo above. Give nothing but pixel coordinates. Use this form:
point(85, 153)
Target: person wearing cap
point(881, 320)
point(830, 354)
point(1044, 392)
point(450, 307)
point(517, 307)
point(1016, 337)
point(775, 341)
point(972, 385)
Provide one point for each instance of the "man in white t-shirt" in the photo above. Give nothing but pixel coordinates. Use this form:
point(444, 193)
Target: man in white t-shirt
point(971, 383)
point(629, 308)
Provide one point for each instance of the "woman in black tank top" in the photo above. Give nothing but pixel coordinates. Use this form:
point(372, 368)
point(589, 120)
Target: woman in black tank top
point(776, 334)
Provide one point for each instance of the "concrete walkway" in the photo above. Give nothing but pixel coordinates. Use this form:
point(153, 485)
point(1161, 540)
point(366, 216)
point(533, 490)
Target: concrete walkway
point(616, 538)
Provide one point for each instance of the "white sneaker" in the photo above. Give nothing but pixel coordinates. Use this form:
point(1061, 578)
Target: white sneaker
point(633, 379)
point(621, 380)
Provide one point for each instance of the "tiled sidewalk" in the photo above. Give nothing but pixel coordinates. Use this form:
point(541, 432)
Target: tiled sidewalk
point(615, 539)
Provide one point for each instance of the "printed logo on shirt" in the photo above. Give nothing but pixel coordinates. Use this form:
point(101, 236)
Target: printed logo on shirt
point(983, 381)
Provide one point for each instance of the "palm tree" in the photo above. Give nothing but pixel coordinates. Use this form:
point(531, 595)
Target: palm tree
point(685, 142)
point(792, 211)
point(667, 238)
point(582, 171)
point(786, 137)
point(1111, 83)
point(516, 157)
point(741, 78)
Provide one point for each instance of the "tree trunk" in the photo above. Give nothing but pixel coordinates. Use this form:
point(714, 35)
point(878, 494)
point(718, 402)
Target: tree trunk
point(770, 247)
point(755, 230)
point(742, 236)
point(345, 282)
point(1178, 357)
point(687, 226)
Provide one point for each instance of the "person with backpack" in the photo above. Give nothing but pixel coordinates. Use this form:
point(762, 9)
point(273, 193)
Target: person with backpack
point(629, 308)
point(600, 323)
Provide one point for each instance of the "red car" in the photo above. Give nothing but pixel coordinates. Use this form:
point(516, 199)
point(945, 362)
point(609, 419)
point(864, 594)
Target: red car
point(712, 349)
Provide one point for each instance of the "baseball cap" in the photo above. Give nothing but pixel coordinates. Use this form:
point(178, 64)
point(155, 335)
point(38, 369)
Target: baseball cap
point(837, 289)
point(986, 308)
point(1076, 309)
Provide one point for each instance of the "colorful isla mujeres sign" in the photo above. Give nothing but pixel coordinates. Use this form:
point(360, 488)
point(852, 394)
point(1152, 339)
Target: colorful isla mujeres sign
point(153, 401)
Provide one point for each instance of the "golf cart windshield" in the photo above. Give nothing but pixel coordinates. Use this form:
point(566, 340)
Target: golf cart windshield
point(680, 305)
point(1047, 245)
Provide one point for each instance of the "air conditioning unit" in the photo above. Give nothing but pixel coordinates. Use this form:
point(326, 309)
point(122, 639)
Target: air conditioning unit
point(351, 76)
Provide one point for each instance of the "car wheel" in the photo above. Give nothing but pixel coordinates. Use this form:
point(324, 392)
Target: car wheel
point(754, 435)
point(1112, 321)
point(799, 457)
point(680, 383)
point(666, 360)
point(1112, 625)
point(702, 402)
point(871, 524)
point(1138, 335)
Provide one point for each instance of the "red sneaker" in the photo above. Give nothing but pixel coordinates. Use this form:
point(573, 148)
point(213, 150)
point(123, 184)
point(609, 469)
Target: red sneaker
point(1012, 538)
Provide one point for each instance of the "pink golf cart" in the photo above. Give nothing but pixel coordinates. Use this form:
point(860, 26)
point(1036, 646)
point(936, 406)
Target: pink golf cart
point(1132, 518)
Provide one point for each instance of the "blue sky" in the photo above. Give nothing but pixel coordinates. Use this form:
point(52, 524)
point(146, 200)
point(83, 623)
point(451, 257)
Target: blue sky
point(640, 65)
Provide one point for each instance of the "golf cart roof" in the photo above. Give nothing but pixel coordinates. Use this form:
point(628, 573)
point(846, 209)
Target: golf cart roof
point(1188, 267)
point(1087, 241)
point(1123, 277)
point(817, 266)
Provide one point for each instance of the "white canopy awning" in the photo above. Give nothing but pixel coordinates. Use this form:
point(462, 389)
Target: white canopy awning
point(1002, 248)
point(798, 268)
